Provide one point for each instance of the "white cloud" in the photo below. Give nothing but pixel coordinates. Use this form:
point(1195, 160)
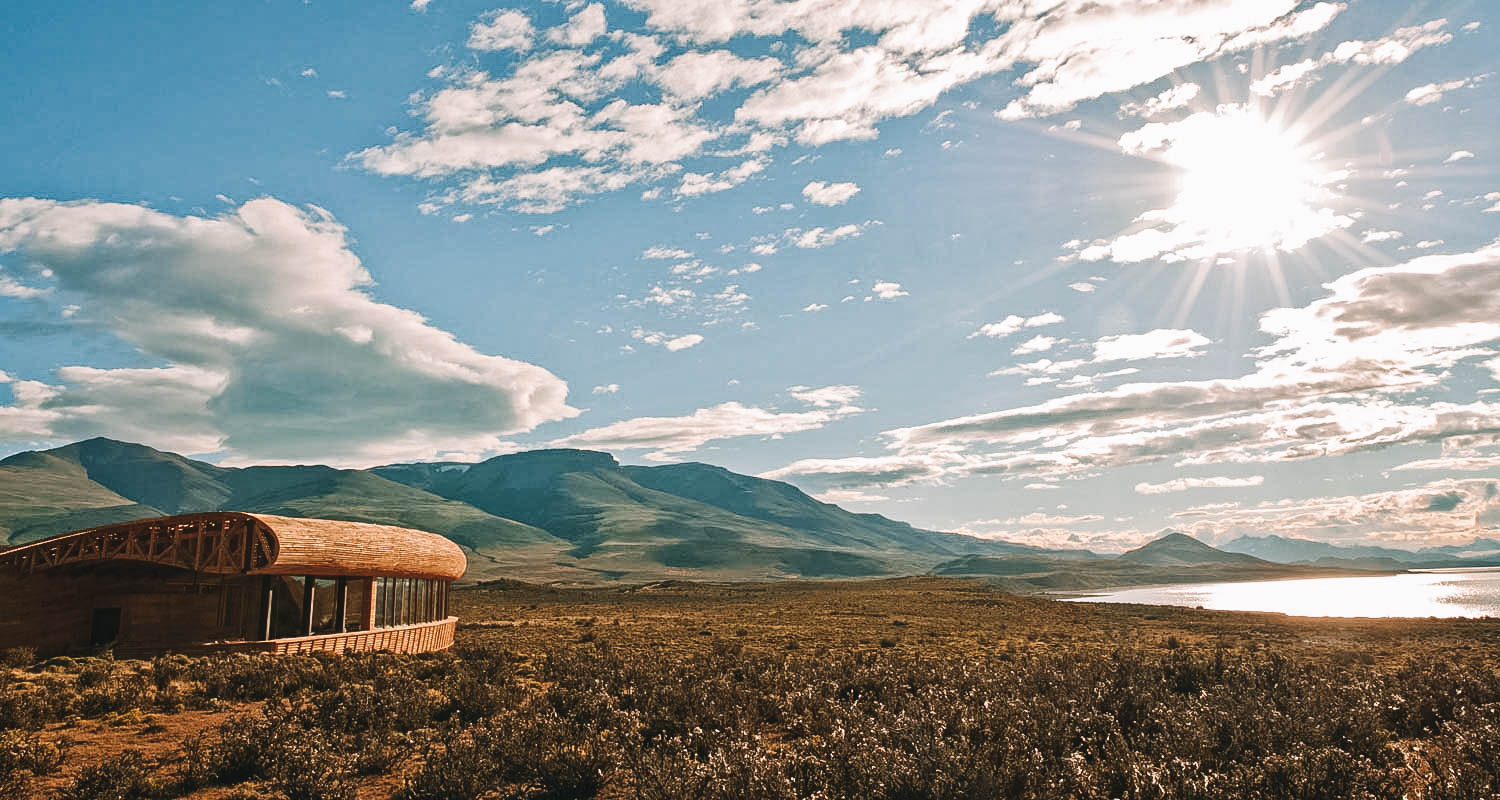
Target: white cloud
point(272, 344)
point(1145, 41)
point(888, 290)
point(500, 30)
point(666, 436)
point(1346, 373)
point(1014, 322)
point(663, 252)
point(827, 396)
point(1379, 236)
point(667, 340)
point(537, 139)
point(814, 307)
point(1160, 343)
point(1440, 512)
point(698, 75)
point(1429, 93)
point(829, 194)
point(846, 496)
point(695, 184)
point(420, 6)
point(1173, 97)
point(820, 236)
point(584, 27)
point(608, 388)
point(1082, 286)
point(1388, 50)
point(1036, 344)
point(1184, 484)
point(1458, 155)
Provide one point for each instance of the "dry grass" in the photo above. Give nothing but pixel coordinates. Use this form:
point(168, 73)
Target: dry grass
point(887, 689)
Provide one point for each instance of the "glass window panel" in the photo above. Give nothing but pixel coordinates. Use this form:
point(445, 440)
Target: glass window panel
point(286, 606)
point(325, 605)
point(398, 617)
point(358, 600)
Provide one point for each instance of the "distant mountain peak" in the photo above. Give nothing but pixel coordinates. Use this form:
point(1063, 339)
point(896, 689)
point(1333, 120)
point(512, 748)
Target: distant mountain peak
point(1177, 548)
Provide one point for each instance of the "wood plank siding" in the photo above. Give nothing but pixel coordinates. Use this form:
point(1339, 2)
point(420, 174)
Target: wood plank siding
point(230, 582)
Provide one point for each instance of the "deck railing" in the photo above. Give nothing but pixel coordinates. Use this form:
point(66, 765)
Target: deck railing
point(422, 637)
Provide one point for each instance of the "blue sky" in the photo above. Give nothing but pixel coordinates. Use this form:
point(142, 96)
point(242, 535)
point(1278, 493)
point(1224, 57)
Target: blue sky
point(1060, 272)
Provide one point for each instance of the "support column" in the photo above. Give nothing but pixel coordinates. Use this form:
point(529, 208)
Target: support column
point(267, 595)
point(307, 604)
point(367, 610)
point(341, 603)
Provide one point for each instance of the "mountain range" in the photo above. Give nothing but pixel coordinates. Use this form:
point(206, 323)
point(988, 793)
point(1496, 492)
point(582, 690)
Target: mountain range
point(1287, 550)
point(556, 515)
point(578, 516)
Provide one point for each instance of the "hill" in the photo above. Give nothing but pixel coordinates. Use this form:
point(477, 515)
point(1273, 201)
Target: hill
point(578, 516)
point(1173, 558)
point(561, 515)
point(689, 518)
point(1180, 550)
point(1287, 550)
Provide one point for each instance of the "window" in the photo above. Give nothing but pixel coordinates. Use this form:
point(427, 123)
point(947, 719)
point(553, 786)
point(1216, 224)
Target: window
point(358, 600)
point(325, 605)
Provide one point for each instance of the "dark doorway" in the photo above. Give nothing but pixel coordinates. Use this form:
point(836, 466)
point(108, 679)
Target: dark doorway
point(105, 627)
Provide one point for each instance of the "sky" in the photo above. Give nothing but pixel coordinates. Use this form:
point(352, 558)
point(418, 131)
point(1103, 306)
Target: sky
point(1062, 272)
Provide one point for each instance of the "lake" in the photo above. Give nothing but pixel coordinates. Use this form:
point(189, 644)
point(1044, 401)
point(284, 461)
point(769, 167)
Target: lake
point(1428, 593)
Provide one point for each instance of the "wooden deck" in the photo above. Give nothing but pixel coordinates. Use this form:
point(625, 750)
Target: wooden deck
point(424, 637)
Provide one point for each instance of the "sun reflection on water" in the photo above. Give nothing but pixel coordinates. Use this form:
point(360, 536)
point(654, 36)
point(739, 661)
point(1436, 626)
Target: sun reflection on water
point(1414, 594)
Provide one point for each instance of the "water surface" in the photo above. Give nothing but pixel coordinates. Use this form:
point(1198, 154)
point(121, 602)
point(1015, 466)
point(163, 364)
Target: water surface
point(1427, 593)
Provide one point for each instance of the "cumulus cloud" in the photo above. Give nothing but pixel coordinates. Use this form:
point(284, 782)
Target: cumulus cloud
point(268, 341)
point(667, 340)
point(826, 396)
point(695, 184)
point(582, 28)
point(1348, 372)
point(1014, 322)
point(666, 436)
point(1385, 51)
point(1160, 343)
point(498, 30)
point(663, 252)
point(1036, 344)
point(1429, 93)
point(1171, 98)
point(1371, 236)
point(829, 194)
point(1440, 512)
point(608, 388)
point(566, 120)
point(1458, 155)
point(888, 290)
point(1184, 484)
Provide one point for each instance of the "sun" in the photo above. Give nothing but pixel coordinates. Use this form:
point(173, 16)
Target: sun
point(1246, 183)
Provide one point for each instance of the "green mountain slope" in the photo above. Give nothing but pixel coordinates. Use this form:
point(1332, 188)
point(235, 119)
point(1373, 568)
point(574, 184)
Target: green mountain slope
point(42, 494)
point(101, 481)
point(785, 504)
point(619, 526)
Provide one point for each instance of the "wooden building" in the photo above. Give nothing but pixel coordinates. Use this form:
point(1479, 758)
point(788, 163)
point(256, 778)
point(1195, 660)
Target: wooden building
point(230, 582)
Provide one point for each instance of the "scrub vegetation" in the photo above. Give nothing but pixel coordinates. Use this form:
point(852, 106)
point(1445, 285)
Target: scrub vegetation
point(910, 688)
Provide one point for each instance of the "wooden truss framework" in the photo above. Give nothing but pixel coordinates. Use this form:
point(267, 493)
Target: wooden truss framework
point(217, 544)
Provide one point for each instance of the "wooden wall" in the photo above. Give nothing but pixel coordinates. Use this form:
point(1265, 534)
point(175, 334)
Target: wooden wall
point(53, 610)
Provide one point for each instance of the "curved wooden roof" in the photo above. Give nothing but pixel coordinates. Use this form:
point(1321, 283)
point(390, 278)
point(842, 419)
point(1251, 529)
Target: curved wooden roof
point(228, 542)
